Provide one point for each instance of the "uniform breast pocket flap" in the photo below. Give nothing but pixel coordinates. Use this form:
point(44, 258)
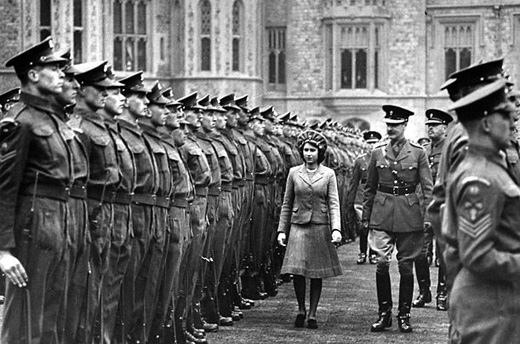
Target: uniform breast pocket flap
point(195, 152)
point(43, 131)
point(173, 156)
point(136, 147)
point(100, 140)
point(408, 165)
point(158, 149)
point(295, 209)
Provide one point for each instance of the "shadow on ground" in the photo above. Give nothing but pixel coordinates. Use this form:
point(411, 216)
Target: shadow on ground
point(347, 309)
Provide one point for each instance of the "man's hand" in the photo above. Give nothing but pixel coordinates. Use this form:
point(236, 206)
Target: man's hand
point(364, 225)
point(281, 239)
point(13, 269)
point(336, 236)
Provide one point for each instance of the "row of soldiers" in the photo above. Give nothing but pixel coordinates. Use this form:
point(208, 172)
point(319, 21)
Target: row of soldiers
point(130, 216)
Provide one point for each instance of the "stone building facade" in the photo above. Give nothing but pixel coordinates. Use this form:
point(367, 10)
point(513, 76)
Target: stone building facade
point(320, 58)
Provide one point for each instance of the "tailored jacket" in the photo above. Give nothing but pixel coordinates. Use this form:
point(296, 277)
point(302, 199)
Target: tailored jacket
point(307, 201)
point(396, 212)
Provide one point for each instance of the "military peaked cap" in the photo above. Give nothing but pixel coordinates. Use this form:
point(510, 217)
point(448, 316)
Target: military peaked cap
point(134, 83)
point(371, 136)
point(436, 116)
point(39, 54)
point(396, 114)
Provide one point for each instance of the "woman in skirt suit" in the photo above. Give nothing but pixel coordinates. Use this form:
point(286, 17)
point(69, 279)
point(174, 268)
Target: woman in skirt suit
point(310, 224)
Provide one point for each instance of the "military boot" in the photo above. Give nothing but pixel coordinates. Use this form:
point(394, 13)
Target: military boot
point(362, 258)
point(442, 297)
point(422, 271)
point(405, 298)
point(384, 296)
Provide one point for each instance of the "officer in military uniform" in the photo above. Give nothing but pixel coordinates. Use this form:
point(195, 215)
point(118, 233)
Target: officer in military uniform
point(354, 199)
point(437, 123)
point(36, 173)
point(481, 224)
point(392, 212)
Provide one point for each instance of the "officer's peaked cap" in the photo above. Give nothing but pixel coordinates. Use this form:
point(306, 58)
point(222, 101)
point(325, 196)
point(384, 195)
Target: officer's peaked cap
point(371, 136)
point(39, 54)
point(134, 83)
point(436, 116)
point(396, 114)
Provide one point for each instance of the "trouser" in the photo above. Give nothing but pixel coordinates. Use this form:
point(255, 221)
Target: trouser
point(118, 260)
point(178, 223)
point(131, 305)
point(193, 291)
point(259, 219)
point(422, 268)
point(442, 290)
point(101, 216)
point(41, 248)
point(247, 211)
point(408, 247)
point(79, 243)
point(363, 234)
point(208, 270)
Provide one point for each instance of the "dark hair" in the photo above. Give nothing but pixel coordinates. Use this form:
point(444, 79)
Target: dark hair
point(321, 151)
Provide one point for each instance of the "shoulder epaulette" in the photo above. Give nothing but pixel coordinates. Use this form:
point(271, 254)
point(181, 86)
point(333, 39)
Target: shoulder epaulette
point(416, 145)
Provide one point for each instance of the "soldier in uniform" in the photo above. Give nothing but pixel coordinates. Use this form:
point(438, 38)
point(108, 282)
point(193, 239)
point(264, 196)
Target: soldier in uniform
point(392, 212)
point(130, 316)
point(154, 261)
point(7, 99)
point(77, 220)
point(355, 195)
point(36, 173)
point(262, 189)
point(200, 172)
point(481, 222)
point(437, 123)
point(121, 239)
point(104, 178)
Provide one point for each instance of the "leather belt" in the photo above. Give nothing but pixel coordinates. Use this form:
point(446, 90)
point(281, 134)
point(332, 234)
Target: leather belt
point(60, 193)
point(96, 192)
point(179, 202)
point(123, 198)
point(226, 186)
point(214, 190)
point(78, 191)
point(201, 190)
point(163, 202)
point(263, 180)
point(397, 190)
point(144, 199)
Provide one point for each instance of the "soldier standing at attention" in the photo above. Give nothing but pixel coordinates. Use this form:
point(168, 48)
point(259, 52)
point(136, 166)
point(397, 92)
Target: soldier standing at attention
point(392, 212)
point(104, 177)
point(437, 122)
point(36, 172)
point(481, 223)
point(355, 195)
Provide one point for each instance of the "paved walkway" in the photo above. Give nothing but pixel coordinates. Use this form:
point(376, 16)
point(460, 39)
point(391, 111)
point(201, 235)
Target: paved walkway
point(347, 309)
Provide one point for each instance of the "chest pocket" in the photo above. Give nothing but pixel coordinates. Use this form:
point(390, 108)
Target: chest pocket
point(100, 140)
point(45, 137)
point(137, 147)
point(408, 172)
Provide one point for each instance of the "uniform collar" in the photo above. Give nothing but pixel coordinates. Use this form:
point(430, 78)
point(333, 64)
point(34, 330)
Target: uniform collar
point(37, 102)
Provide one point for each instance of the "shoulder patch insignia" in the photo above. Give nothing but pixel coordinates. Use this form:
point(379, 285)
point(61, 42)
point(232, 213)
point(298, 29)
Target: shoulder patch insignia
point(475, 218)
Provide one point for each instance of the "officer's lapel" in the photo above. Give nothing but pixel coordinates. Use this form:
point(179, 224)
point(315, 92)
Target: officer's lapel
point(405, 151)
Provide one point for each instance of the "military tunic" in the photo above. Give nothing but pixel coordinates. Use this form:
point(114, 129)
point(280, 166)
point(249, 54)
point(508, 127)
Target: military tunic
point(33, 151)
point(480, 227)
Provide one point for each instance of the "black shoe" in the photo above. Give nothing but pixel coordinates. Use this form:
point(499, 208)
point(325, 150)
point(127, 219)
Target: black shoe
point(300, 320)
point(209, 327)
point(404, 323)
point(362, 259)
point(442, 304)
point(423, 298)
point(225, 321)
point(384, 321)
point(312, 324)
point(373, 259)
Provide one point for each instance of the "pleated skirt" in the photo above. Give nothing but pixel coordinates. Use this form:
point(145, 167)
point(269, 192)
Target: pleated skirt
point(310, 252)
